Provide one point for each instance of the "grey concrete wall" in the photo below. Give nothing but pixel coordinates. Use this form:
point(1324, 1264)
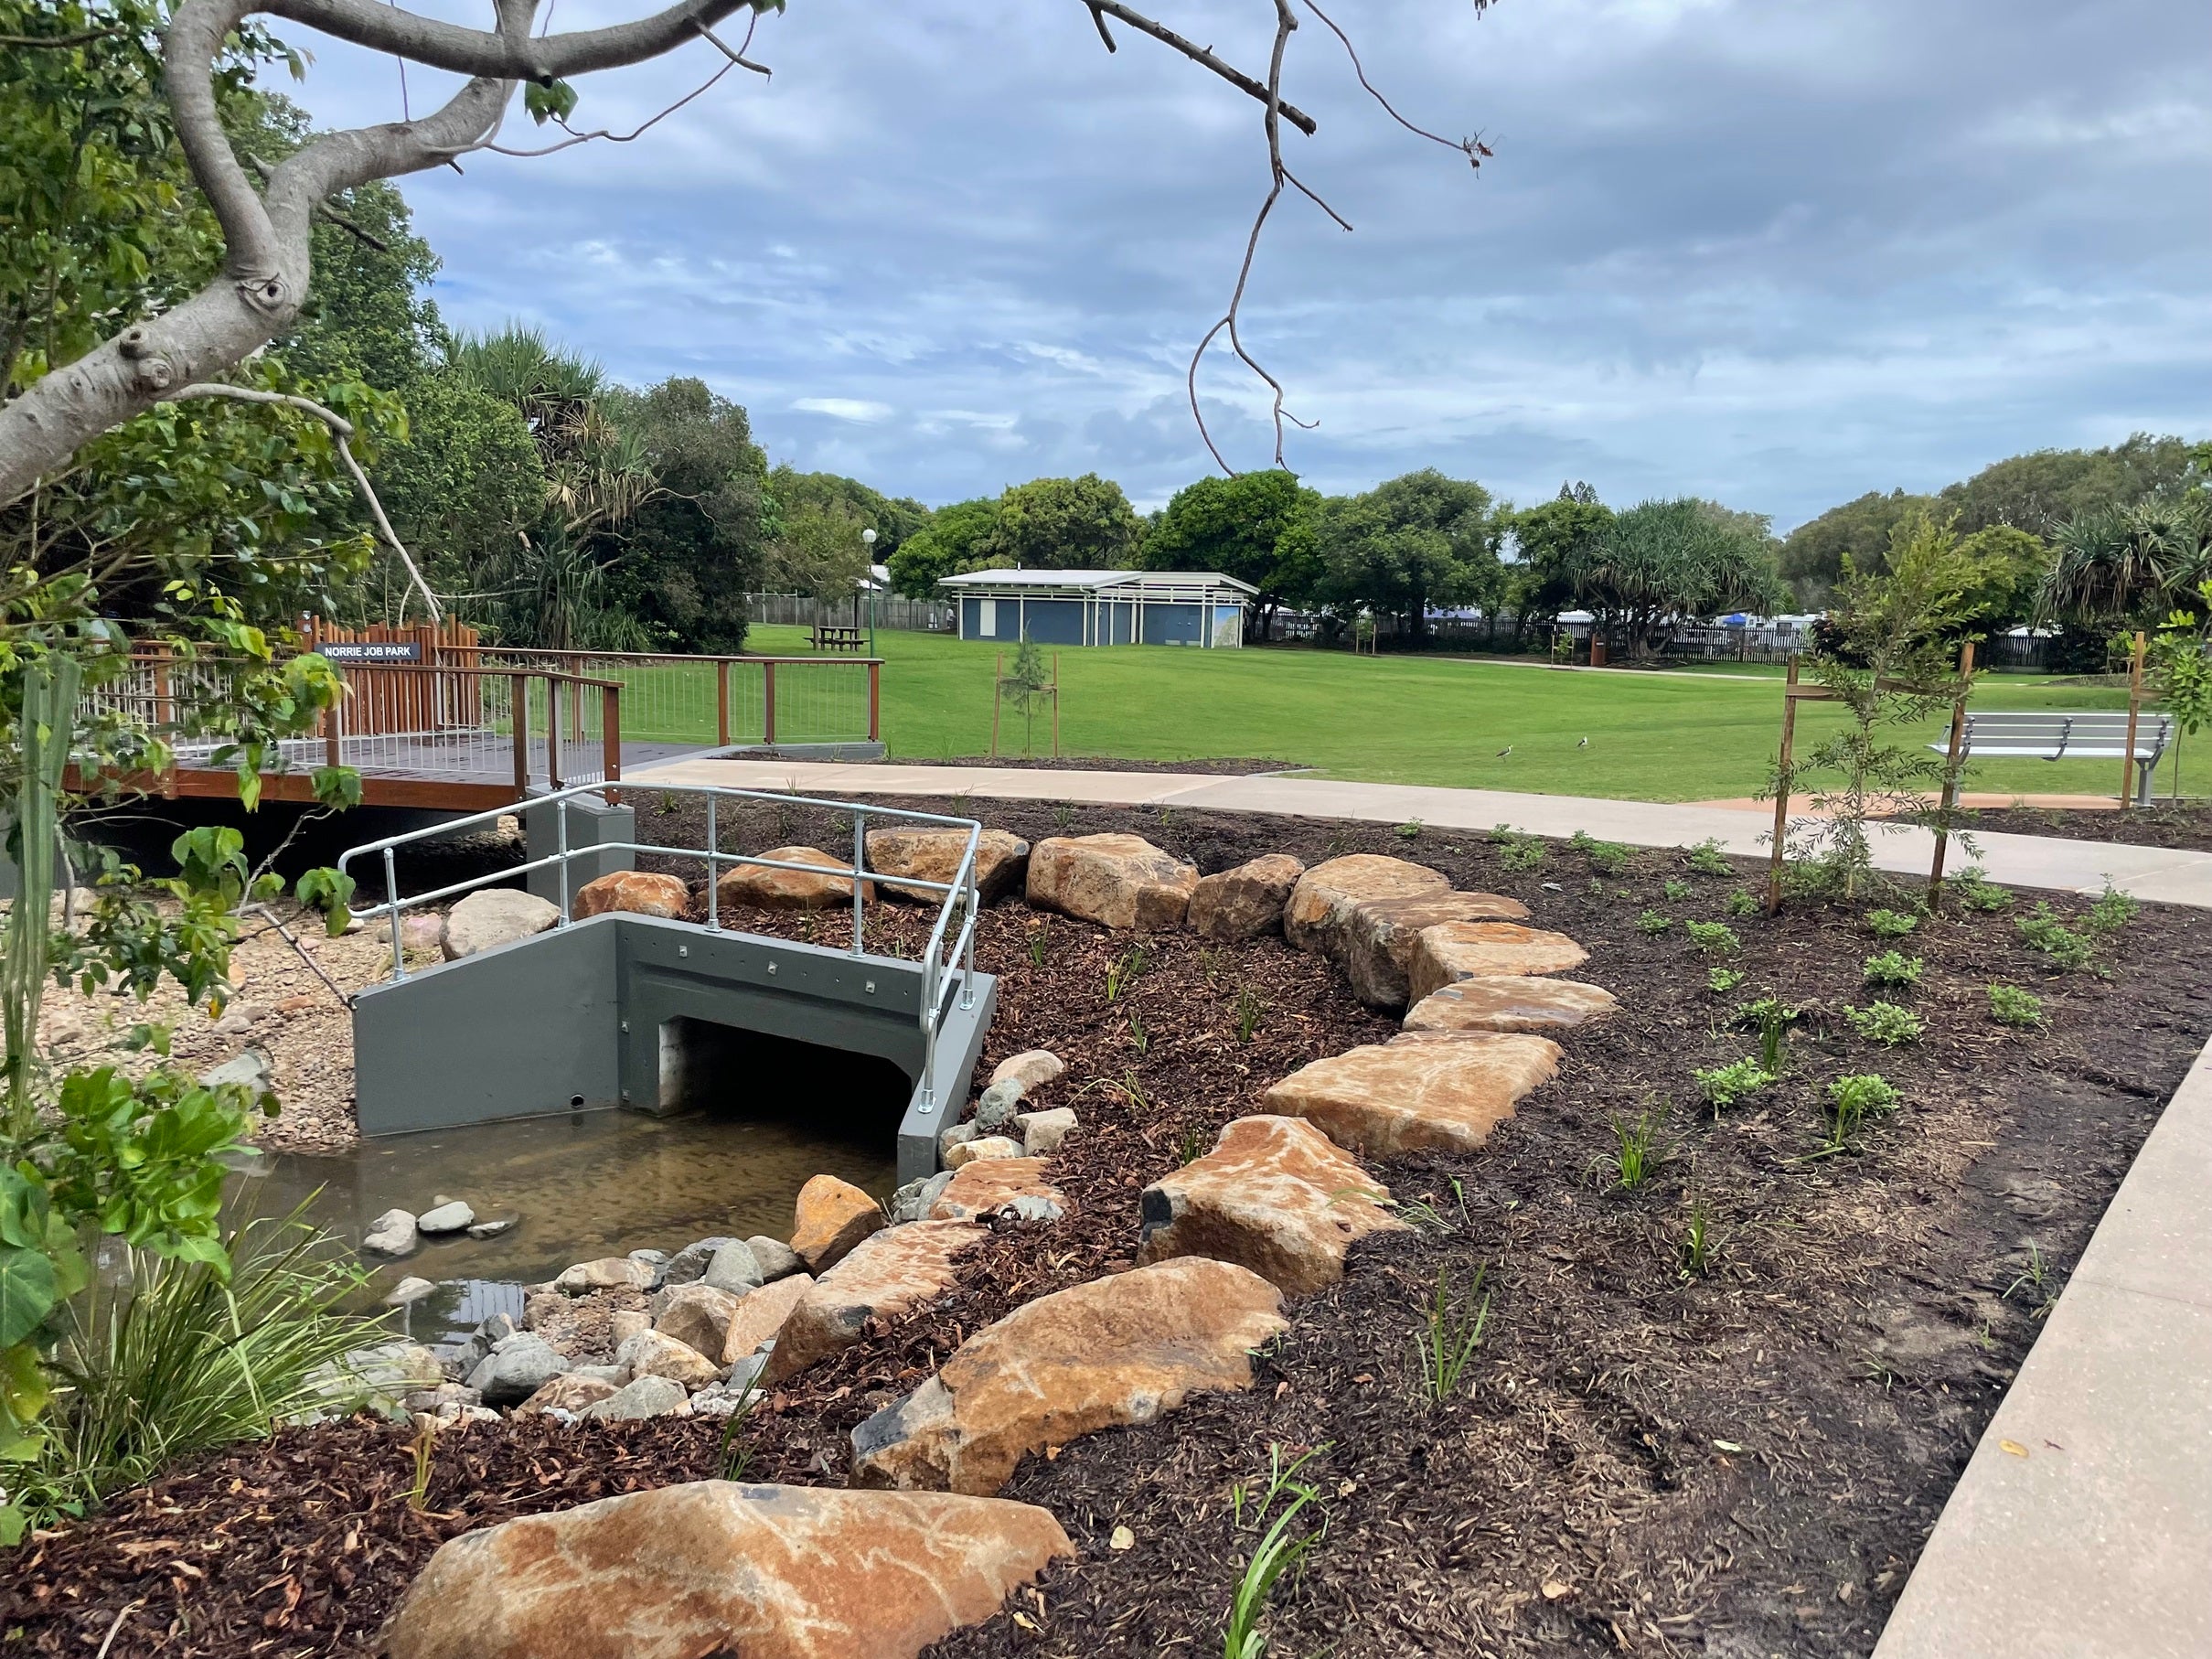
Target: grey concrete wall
point(524, 1029)
point(591, 820)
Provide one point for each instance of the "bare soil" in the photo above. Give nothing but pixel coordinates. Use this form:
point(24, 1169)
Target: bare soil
point(1742, 1460)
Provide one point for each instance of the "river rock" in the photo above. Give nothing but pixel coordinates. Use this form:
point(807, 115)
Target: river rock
point(1379, 935)
point(651, 1395)
point(981, 1147)
point(453, 1216)
point(995, 1108)
point(1116, 880)
point(1322, 901)
point(1420, 1089)
point(760, 1317)
point(912, 1201)
point(250, 1068)
point(688, 1265)
point(1246, 902)
point(1123, 1349)
point(492, 1227)
point(623, 1323)
point(493, 917)
point(516, 1367)
point(992, 1184)
point(1485, 950)
point(792, 889)
point(934, 855)
point(1033, 1068)
point(1274, 1196)
point(392, 1234)
point(734, 1269)
point(1511, 1002)
point(1042, 1132)
point(698, 1315)
point(392, 1369)
point(889, 1274)
point(410, 1290)
point(831, 1216)
point(570, 1393)
point(656, 1353)
point(776, 1259)
point(769, 1572)
point(953, 1135)
point(638, 892)
point(608, 1273)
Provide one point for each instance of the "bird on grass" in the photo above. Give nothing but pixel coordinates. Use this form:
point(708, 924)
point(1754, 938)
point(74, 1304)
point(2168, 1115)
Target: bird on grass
point(1504, 752)
point(1584, 743)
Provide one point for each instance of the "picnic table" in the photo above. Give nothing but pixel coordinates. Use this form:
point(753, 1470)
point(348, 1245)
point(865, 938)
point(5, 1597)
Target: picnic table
point(829, 637)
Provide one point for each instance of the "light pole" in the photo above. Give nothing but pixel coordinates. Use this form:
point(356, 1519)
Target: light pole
point(868, 546)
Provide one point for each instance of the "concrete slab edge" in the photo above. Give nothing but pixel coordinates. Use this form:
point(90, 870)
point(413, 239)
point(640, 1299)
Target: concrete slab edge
point(2082, 1525)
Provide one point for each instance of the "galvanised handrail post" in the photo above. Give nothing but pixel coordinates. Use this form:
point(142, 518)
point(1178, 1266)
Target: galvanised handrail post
point(391, 898)
point(859, 846)
point(714, 920)
point(560, 818)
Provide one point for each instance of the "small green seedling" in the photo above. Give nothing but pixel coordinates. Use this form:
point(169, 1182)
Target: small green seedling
point(1707, 858)
point(1714, 938)
point(1248, 1010)
point(1675, 890)
point(1891, 924)
point(1607, 858)
point(1893, 969)
point(1700, 1242)
point(2113, 910)
point(1651, 921)
point(2059, 944)
point(2009, 1005)
point(1724, 979)
point(1887, 1024)
point(1724, 1085)
point(1851, 1101)
point(1741, 904)
point(1455, 1322)
point(1977, 892)
point(1410, 830)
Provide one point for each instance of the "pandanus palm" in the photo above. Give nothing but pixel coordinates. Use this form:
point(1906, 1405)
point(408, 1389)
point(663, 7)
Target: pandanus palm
point(2129, 561)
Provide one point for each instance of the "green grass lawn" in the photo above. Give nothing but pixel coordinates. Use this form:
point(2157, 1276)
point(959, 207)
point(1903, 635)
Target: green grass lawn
point(1410, 719)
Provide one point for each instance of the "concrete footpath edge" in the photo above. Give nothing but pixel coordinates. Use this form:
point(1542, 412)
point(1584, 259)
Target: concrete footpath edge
point(2082, 1527)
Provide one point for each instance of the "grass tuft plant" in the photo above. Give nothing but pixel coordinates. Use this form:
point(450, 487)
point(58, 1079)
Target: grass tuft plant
point(1700, 1242)
point(1851, 1101)
point(2009, 1005)
point(1279, 1550)
point(1124, 971)
point(1249, 1008)
point(1887, 1024)
point(1453, 1323)
point(1639, 1147)
point(1893, 969)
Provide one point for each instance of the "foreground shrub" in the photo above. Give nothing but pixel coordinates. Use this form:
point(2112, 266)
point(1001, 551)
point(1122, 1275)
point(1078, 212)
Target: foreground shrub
point(2009, 1005)
point(1887, 1024)
point(1893, 967)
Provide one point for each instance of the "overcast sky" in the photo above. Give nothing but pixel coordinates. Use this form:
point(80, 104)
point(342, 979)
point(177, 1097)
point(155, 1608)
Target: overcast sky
point(1778, 253)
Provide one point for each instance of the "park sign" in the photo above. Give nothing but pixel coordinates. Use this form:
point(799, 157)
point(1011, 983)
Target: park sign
point(371, 650)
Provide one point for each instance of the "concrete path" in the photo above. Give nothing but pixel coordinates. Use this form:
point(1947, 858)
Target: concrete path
point(2082, 1527)
point(2152, 874)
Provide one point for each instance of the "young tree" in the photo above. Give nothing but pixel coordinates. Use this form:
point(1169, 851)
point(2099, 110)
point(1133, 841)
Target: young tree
point(1257, 527)
point(2180, 674)
point(1409, 545)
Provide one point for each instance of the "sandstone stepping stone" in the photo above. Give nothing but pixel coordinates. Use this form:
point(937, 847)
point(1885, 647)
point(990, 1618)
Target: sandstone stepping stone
point(1033, 1068)
point(1274, 1196)
point(1246, 902)
point(636, 891)
point(1118, 881)
point(494, 916)
point(571, 1392)
point(776, 1259)
point(609, 1273)
point(1322, 900)
point(832, 1216)
point(934, 855)
point(962, 1153)
point(1379, 937)
point(792, 889)
point(1042, 1132)
point(761, 1316)
point(992, 1184)
point(1122, 1349)
point(1510, 1002)
point(1419, 1089)
point(891, 1273)
point(1485, 950)
point(698, 1315)
point(771, 1572)
point(655, 1354)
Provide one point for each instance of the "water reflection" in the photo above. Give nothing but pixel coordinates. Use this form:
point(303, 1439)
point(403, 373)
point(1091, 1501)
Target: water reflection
point(585, 1185)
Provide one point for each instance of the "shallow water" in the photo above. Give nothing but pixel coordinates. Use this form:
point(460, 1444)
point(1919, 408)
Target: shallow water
point(585, 1185)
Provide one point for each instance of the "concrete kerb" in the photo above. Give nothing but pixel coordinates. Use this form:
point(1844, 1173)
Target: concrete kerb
point(2082, 1527)
point(2158, 874)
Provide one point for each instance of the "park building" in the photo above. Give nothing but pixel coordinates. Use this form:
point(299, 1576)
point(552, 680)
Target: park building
point(1200, 608)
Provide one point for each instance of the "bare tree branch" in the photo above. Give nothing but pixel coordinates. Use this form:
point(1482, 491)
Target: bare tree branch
point(504, 56)
point(1272, 96)
point(1474, 148)
point(341, 429)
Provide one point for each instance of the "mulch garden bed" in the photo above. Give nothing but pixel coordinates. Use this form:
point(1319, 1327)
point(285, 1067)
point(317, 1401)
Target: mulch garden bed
point(1740, 1461)
point(2183, 827)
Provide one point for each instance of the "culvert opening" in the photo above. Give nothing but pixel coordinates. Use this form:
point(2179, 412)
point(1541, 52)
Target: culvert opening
point(737, 1075)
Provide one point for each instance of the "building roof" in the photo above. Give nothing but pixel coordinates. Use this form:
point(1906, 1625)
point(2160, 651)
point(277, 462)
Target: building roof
point(1094, 580)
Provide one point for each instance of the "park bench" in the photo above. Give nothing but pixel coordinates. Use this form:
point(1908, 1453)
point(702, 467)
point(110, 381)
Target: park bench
point(2061, 736)
point(828, 636)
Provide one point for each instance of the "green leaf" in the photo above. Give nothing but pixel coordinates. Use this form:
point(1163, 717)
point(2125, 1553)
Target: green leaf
point(336, 785)
point(28, 1290)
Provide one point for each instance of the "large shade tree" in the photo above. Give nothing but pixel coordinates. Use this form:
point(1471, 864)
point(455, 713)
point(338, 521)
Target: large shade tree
point(1666, 563)
point(1257, 527)
point(1408, 546)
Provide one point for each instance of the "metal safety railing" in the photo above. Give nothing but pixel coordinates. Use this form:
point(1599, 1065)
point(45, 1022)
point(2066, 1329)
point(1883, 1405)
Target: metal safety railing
point(948, 965)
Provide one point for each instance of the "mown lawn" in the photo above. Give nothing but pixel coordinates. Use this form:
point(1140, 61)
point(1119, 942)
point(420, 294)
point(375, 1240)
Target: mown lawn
point(1409, 719)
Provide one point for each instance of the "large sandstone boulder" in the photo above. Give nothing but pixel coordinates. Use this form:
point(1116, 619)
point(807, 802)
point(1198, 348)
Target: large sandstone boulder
point(608, 1273)
point(1322, 900)
point(1118, 881)
point(893, 1272)
point(1274, 1196)
point(991, 1184)
point(762, 1314)
point(655, 1354)
point(636, 891)
point(934, 855)
point(567, 1393)
point(1511, 1002)
point(1485, 950)
point(1379, 937)
point(768, 1572)
point(1419, 1089)
point(791, 889)
point(698, 1315)
point(1246, 902)
point(832, 1216)
point(494, 916)
point(1122, 1349)
point(1033, 1068)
